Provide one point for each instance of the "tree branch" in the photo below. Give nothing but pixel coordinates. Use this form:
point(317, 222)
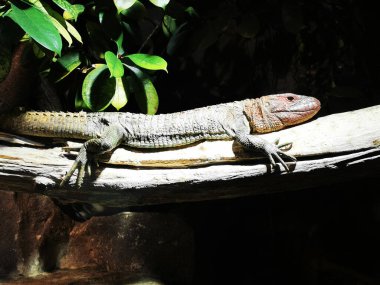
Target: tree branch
point(334, 148)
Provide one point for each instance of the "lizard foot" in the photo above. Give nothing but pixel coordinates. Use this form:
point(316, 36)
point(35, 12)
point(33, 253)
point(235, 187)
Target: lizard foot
point(274, 151)
point(277, 152)
point(89, 152)
point(85, 162)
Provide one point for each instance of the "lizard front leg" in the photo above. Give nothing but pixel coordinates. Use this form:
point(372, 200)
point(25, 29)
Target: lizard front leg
point(271, 150)
point(90, 150)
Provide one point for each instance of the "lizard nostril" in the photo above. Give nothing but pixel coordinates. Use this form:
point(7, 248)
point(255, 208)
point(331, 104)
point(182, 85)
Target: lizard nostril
point(290, 98)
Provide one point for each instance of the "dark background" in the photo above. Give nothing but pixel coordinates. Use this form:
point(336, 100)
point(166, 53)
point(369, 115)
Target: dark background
point(240, 49)
point(316, 236)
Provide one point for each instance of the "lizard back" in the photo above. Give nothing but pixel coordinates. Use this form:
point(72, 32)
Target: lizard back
point(141, 131)
point(177, 129)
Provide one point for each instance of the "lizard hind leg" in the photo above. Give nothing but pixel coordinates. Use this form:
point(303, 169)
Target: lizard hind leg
point(82, 162)
point(89, 152)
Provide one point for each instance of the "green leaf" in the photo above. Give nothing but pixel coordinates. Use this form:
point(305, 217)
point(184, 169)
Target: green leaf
point(37, 51)
point(123, 4)
point(72, 11)
point(191, 12)
point(74, 32)
point(136, 12)
point(119, 43)
point(169, 25)
point(38, 25)
point(79, 103)
point(37, 4)
point(55, 18)
point(62, 30)
point(147, 61)
point(120, 98)
point(160, 3)
point(146, 94)
point(114, 64)
point(68, 63)
point(98, 88)
point(176, 41)
point(45, 8)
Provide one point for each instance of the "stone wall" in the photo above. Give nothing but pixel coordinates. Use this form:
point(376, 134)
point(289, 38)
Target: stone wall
point(37, 237)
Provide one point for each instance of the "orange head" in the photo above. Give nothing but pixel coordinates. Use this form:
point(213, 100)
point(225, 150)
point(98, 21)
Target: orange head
point(275, 112)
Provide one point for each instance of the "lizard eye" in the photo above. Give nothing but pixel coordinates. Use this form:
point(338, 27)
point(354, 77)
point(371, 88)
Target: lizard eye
point(290, 98)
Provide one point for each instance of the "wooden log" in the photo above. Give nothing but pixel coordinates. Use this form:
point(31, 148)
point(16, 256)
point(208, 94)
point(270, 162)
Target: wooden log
point(330, 149)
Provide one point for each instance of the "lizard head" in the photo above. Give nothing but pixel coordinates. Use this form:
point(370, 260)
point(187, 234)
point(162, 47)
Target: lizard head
point(275, 112)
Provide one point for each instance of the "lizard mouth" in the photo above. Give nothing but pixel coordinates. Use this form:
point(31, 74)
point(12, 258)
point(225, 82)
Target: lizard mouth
point(300, 110)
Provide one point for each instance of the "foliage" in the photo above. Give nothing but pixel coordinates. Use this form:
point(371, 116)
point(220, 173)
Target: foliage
point(217, 50)
point(94, 44)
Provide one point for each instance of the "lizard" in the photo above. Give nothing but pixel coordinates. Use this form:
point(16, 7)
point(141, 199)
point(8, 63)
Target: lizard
point(104, 131)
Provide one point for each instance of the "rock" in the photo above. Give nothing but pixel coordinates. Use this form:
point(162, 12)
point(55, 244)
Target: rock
point(151, 244)
point(33, 233)
point(36, 237)
point(8, 233)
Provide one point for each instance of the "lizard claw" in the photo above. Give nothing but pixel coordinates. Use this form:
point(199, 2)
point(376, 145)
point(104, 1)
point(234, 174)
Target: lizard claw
point(274, 153)
point(283, 146)
point(88, 153)
point(83, 163)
